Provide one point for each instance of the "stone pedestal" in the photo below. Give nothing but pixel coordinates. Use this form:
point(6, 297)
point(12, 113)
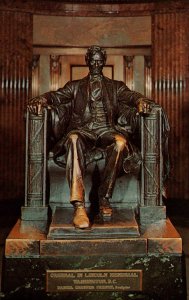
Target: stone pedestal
point(147, 266)
point(121, 224)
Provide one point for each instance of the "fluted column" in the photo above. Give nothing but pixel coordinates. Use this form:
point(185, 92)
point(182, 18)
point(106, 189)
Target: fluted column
point(169, 89)
point(15, 79)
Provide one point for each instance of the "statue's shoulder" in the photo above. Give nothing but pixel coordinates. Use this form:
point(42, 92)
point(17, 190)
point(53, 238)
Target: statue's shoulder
point(117, 83)
point(72, 82)
point(76, 83)
point(71, 86)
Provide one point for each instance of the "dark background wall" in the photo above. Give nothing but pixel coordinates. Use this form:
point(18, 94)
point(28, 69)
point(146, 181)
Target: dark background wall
point(170, 41)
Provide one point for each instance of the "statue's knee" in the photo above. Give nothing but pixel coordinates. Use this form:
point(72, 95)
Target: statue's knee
point(73, 138)
point(120, 142)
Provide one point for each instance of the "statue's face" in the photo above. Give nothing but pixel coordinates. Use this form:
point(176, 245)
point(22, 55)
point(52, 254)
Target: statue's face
point(96, 63)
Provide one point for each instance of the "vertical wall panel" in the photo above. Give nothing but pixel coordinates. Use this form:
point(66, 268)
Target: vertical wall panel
point(148, 76)
point(129, 73)
point(169, 71)
point(55, 70)
point(35, 75)
point(15, 77)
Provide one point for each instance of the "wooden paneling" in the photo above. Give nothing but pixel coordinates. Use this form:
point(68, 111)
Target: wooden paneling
point(169, 89)
point(15, 77)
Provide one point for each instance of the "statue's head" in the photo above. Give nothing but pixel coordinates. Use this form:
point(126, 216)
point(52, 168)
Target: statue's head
point(95, 59)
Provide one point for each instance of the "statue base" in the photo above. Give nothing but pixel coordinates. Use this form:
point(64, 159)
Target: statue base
point(121, 224)
point(34, 213)
point(148, 266)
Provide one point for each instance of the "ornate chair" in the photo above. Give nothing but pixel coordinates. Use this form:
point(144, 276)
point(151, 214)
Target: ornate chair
point(46, 185)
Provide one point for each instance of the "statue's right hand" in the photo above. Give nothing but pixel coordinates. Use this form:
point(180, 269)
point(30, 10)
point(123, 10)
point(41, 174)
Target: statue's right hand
point(36, 105)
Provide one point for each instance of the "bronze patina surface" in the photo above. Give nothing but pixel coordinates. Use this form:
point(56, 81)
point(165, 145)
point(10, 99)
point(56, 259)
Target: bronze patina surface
point(93, 115)
point(24, 239)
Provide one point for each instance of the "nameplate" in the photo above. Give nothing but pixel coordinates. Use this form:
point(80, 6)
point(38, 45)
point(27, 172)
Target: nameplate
point(93, 280)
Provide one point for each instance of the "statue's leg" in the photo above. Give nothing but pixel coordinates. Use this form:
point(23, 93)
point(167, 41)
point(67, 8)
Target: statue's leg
point(116, 146)
point(75, 168)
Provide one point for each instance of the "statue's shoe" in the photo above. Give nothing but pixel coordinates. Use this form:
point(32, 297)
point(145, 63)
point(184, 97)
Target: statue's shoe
point(106, 211)
point(80, 219)
point(105, 208)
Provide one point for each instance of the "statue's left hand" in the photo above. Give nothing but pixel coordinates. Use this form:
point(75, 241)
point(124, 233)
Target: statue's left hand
point(36, 105)
point(144, 106)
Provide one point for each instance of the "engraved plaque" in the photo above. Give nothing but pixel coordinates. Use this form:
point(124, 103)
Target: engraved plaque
point(93, 280)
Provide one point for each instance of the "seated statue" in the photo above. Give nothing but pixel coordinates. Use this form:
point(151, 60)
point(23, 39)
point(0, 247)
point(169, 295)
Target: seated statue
point(92, 113)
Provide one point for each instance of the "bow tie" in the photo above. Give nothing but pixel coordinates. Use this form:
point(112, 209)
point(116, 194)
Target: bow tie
point(95, 78)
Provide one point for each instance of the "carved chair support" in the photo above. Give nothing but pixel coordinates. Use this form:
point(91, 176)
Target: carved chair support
point(151, 206)
point(35, 207)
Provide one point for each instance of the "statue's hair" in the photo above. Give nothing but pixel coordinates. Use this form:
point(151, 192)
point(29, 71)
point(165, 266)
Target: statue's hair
point(92, 51)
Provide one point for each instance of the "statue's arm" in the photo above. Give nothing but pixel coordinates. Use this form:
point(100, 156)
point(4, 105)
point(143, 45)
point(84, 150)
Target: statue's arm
point(130, 105)
point(58, 104)
point(51, 100)
point(127, 98)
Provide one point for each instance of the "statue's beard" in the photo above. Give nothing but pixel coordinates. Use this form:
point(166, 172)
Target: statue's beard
point(96, 71)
